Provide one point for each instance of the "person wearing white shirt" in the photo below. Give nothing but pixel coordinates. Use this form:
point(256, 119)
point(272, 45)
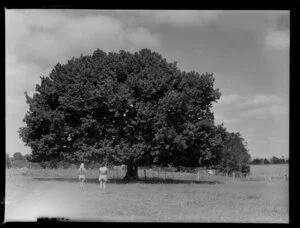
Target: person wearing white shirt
point(103, 172)
point(81, 174)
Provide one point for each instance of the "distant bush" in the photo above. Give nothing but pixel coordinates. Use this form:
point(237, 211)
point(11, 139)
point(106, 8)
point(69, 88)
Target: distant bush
point(8, 161)
point(33, 165)
point(242, 168)
point(20, 163)
point(245, 169)
point(63, 165)
point(17, 156)
point(27, 157)
point(73, 166)
point(45, 165)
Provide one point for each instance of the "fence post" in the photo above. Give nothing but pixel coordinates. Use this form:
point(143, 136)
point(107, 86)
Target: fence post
point(145, 174)
point(158, 172)
point(165, 175)
point(233, 176)
point(198, 175)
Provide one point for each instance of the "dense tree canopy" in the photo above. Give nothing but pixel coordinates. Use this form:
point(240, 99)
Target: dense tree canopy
point(124, 108)
point(234, 154)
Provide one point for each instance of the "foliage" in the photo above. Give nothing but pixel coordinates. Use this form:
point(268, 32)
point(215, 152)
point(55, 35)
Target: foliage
point(128, 108)
point(34, 165)
point(273, 160)
point(73, 166)
point(45, 165)
point(123, 107)
point(19, 163)
point(17, 156)
point(63, 164)
point(257, 161)
point(234, 154)
point(134, 109)
point(7, 161)
point(27, 157)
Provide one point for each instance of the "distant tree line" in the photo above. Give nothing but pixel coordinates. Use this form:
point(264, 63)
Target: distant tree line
point(272, 160)
point(17, 160)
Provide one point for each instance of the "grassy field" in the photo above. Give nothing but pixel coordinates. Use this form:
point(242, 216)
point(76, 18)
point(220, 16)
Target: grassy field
point(169, 197)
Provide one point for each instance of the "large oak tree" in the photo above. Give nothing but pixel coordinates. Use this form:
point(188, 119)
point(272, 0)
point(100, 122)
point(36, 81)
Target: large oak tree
point(124, 108)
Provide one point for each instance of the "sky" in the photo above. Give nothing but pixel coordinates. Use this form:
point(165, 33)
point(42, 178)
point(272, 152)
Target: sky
point(247, 52)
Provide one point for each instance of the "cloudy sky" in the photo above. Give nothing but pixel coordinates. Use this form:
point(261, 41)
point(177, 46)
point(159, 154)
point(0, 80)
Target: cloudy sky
point(247, 51)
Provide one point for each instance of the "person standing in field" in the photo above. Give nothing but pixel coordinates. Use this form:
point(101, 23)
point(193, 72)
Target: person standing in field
point(103, 172)
point(81, 174)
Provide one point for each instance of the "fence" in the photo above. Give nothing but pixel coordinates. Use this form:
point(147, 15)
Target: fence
point(145, 173)
point(202, 174)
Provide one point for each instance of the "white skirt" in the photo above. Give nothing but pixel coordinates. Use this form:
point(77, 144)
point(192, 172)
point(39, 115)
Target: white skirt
point(103, 178)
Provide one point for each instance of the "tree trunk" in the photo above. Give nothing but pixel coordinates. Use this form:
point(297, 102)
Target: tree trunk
point(132, 173)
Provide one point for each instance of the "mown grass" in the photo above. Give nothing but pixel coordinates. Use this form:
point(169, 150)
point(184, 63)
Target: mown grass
point(238, 201)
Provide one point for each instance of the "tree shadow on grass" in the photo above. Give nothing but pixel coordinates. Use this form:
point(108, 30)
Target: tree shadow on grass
point(141, 181)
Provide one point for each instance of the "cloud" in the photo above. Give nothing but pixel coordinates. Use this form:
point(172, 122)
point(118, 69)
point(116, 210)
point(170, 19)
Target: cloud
point(21, 77)
point(232, 121)
point(180, 18)
point(262, 106)
point(229, 99)
point(277, 31)
point(48, 36)
point(39, 39)
point(219, 118)
point(233, 108)
point(20, 24)
point(36, 40)
point(248, 133)
point(272, 111)
point(15, 110)
point(141, 37)
point(16, 101)
point(261, 119)
point(278, 40)
point(261, 100)
point(283, 22)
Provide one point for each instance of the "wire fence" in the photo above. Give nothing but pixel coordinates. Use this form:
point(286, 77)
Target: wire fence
point(148, 174)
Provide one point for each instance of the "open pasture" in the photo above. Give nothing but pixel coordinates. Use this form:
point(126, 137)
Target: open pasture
point(269, 170)
point(178, 198)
